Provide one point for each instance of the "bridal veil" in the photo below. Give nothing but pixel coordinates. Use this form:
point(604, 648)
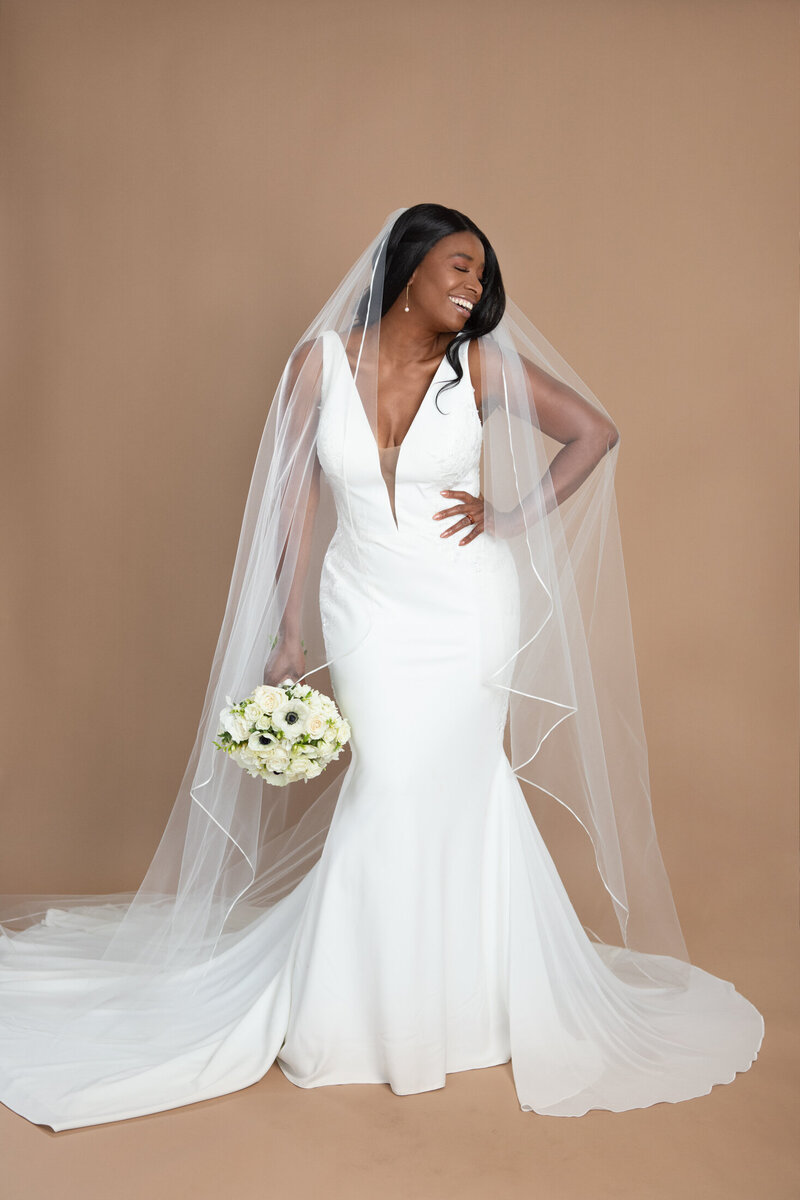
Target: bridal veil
point(233, 845)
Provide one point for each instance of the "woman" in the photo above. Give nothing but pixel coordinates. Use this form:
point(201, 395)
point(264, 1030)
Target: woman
point(408, 532)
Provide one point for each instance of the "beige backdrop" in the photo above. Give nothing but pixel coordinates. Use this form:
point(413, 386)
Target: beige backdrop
point(183, 174)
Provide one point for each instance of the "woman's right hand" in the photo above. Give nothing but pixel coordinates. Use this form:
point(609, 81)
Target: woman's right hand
point(287, 659)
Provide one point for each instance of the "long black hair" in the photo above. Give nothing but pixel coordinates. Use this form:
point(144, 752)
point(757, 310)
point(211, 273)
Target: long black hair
point(413, 234)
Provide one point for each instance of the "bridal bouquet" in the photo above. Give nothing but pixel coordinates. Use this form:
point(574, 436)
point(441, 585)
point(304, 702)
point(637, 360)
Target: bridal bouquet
point(282, 734)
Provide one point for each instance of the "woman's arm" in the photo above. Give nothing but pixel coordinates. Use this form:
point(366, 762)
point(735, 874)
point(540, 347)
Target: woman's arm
point(586, 434)
point(297, 428)
point(563, 415)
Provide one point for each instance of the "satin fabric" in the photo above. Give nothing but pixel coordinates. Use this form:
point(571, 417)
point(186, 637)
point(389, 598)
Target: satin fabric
point(433, 934)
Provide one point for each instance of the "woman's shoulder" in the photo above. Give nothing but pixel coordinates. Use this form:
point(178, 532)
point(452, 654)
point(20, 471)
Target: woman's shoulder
point(474, 363)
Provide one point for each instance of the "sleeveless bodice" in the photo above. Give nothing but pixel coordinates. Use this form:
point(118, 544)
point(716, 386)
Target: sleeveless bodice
point(440, 450)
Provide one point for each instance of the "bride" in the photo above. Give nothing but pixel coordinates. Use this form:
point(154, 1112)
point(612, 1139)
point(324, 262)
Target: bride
point(431, 537)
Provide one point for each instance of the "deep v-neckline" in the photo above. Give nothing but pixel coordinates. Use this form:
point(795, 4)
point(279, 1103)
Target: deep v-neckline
point(380, 451)
point(398, 445)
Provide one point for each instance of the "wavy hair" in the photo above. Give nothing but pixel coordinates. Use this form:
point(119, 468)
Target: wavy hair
point(413, 234)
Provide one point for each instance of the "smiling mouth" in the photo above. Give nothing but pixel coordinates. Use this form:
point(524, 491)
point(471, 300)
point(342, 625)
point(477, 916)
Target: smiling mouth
point(464, 305)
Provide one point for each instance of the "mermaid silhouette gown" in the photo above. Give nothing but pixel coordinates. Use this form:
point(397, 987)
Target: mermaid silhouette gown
point(433, 934)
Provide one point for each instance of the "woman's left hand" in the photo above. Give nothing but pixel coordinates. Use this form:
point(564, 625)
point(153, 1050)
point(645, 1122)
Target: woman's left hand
point(471, 511)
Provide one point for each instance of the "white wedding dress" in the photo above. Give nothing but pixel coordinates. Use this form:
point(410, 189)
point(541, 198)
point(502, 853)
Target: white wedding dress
point(433, 934)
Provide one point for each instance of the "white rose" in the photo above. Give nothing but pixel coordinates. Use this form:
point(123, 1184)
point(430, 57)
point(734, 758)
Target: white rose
point(234, 724)
point(343, 730)
point(246, 759)
point(268, 697)
point(252, 713)
point(276, 760)
point(315, 725)
point(315, 768)
point(301, 765)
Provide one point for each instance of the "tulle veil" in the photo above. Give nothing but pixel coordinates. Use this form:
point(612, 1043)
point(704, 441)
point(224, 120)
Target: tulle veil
point(234, 846)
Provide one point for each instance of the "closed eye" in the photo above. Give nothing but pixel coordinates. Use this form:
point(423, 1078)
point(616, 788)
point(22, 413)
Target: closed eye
point(480, 281)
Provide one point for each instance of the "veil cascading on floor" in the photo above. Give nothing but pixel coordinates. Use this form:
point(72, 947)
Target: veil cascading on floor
point(235, 845)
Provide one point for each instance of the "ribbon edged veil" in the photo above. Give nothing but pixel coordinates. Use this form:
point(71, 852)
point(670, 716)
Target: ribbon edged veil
point(234, 845)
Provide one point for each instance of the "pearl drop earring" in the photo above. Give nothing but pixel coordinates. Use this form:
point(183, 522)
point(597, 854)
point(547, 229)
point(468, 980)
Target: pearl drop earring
point(406, 309)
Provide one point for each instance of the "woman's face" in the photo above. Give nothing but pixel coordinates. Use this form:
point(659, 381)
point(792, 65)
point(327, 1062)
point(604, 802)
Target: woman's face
point(450, 272)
